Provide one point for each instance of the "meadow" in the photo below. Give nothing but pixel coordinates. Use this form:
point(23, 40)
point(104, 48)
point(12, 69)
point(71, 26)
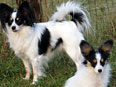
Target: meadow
point(103, 19)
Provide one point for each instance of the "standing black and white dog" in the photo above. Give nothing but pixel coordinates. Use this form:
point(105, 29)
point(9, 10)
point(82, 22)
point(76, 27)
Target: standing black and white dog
point(35, 43)
point(95, 69)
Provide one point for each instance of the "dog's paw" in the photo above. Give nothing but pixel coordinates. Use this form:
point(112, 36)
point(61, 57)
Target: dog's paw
point(34, 82)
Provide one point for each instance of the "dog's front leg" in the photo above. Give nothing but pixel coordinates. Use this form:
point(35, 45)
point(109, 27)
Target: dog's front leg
point(37, 67)
point(27, 68)
point(34, 63)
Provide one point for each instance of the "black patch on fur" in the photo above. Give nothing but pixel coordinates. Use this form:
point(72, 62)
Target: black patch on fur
point(85, 62)
point(90, 56)
point(5, 14)
point(20, 20)
point(105, 50)
point(26, 15)
point(10, 21)
point(77, 17)
point(90, 59)
point(105, 58)
point(44, 42)
point(59, 41)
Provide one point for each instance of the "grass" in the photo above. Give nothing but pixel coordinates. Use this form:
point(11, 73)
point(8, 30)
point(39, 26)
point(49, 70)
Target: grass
point(61, 67)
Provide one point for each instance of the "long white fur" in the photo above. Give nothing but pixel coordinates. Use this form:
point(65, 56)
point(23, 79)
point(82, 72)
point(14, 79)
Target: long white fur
point(25, 41)
point(88, 77)
point(71, 6)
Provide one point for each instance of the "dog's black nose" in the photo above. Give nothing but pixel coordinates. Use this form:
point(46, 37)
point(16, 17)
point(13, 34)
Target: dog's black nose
point(99, 70)
point(13, 27)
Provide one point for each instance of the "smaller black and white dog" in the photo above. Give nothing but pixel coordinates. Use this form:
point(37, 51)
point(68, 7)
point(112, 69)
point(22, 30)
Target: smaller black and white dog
point(35, 43)
point(95, 70)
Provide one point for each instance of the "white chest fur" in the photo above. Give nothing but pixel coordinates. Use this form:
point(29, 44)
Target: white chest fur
point(20, 41)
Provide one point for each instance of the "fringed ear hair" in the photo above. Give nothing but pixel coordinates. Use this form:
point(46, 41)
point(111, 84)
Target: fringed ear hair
point(106, 47)
point(27, 13)
point(5, 12)
point(86, 48)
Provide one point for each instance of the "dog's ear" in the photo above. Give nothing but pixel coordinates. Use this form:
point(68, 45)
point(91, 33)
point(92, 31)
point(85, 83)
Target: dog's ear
point(86, 48)
point(106, 47)
point(27, 13)
point(5, 12)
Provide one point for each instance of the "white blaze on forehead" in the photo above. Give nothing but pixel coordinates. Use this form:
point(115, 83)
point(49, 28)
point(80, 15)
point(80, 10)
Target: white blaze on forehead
point(98, 56)
point(98, 66)
point(13, 15)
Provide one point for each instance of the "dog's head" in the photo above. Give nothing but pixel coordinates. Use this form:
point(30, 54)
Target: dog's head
point(15, 20)
point(96, 59)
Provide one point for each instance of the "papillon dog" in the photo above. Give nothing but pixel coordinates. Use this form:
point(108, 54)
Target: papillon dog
point(35, 43)
point(95, 69)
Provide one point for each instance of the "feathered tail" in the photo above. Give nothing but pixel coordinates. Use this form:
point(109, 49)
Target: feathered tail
point(79, 15)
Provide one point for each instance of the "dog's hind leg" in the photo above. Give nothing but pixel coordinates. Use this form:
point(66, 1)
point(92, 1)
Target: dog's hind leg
point(75, 54)
point(27, 68)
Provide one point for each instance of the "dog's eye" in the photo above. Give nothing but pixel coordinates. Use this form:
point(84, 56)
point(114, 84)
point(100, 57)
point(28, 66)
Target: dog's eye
point(102, 60)
point(17, 19)
point(11, 19)
point(95, 61)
